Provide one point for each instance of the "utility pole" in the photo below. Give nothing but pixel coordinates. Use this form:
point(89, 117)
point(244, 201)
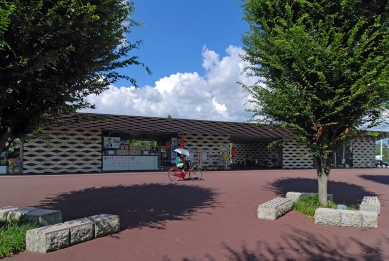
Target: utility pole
point(381, 146)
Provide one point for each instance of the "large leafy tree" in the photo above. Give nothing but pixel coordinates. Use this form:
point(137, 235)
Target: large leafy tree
point(323, 67)
point(6, 9)
point(55, 53)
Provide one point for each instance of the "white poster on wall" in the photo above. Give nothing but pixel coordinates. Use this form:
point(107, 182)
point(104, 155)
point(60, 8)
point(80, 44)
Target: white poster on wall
point(111, 142)
point(204, 155)
point(173, 147)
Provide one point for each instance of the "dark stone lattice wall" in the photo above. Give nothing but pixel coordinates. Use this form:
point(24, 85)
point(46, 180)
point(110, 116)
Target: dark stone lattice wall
point(364, 153)
point(208, 143)
point(293, 156)
point(71, 150)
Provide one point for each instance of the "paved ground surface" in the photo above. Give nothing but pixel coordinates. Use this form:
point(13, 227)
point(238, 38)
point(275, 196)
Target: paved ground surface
point(213, 219)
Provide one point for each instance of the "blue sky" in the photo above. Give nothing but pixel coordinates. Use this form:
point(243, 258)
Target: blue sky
point(176, 31)
point(192, 49)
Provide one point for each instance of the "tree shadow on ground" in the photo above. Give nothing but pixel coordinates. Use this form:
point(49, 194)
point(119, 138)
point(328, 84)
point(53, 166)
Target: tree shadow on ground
point(383, 179)
point(344, 193)
point(302, 245)
point(148, 205)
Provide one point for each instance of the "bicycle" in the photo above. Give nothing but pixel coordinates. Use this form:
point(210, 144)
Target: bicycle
point(175, 173)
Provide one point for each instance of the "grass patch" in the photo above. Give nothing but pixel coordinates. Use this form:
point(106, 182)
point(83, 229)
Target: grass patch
point(308, 205)
point(13, 237)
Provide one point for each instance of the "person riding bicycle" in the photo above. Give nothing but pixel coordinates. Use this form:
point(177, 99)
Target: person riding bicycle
point(181, 163)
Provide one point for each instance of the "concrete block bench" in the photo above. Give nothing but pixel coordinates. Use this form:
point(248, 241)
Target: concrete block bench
point(58, 236)
point(370, 204)
point(80, 230)
point(327, 216)
point(369, 219)
point(274, 208)
point(18, 214)
point(4, 212)
point(42, 217)
point(350, 218)
point(294, 196)
point(346, 218)
point(105, 224)
point(48, 238)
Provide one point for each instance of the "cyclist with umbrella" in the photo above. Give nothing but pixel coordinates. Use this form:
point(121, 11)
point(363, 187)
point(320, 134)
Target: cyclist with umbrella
point(180, 160)
point(183, 167)
point(181, 163)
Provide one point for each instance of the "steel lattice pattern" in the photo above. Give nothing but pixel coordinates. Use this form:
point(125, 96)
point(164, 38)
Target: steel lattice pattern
point(72, 150)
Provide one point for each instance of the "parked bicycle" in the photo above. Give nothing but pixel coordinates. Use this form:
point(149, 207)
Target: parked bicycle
point(175, 173)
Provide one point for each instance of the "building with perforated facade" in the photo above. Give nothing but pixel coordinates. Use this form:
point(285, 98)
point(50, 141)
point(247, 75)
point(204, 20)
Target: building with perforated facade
point(135, 143)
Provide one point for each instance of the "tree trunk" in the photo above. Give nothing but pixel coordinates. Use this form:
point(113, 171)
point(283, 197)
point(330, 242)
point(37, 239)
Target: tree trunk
point(323, 168)
point(322, 189)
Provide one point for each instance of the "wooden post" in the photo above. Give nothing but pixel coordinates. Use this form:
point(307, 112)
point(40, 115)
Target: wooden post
point(199, 158)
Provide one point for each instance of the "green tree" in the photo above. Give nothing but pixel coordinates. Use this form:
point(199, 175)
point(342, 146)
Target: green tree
point(54, 54)
point(323, 70)
point(5, 11)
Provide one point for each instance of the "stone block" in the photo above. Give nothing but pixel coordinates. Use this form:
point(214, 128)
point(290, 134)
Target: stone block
point(370, 204)
point(274, 208)
point(327, 216)
point(48, 238)
point(18, 214)
point(350, 218)
point(81, 230)
point(4, 212)
point(105, 224)
point(44, 217)
point(369, 219)
point(294, 196)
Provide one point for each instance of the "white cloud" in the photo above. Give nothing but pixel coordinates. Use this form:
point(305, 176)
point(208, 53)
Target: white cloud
point(215, 96)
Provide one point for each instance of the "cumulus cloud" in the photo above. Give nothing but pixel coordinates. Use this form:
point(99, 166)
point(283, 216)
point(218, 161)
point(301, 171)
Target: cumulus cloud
point(215, 96)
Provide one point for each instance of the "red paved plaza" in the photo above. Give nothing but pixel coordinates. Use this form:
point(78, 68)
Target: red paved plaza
point(211, 220)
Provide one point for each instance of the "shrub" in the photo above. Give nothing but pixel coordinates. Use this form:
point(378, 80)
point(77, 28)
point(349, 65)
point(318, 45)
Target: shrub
point(13, 237)
point(308, 204)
